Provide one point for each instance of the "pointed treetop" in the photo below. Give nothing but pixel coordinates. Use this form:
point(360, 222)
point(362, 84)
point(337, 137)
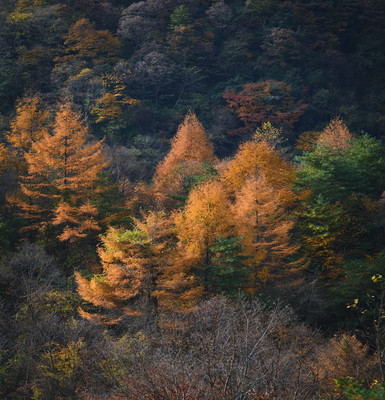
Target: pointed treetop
point(29, 124)
point(190, 149)
point(336, 135)
point(189, 144)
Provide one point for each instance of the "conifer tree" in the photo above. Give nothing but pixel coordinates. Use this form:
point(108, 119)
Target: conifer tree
point(205, 217)
point(133, 262)
point(344, 177)
point(62, 175)
point(336, 135)
point(258, 157)
point(263, 221)
point(29, 124)
point(83, 41)
point(259, 181)
point(179, 287)
point(190, 149)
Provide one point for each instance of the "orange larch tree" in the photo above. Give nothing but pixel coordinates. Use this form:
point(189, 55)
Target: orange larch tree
point(205, 219)
point(263, 221)
point(190, 149)
point(336, 135)
point(62, 174)
point(111, 105)
point(133, 263)
point(85, 42)
point(259, 181)
point(29, 124)
point(258, 157)
point(179, 289)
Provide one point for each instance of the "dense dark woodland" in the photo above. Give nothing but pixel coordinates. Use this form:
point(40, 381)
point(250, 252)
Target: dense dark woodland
point(192, 199)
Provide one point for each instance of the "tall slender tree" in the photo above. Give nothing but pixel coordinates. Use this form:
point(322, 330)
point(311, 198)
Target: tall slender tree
point(263, 221)
point(29, 124)
point(62, 174)
point(205, 217)
point(259, 182)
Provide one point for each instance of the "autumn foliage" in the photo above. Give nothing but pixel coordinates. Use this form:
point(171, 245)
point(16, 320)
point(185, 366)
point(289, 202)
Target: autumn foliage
point(264, 222)
point(142, 271)
point(235, 223)
point(264, 101)
point(29, 124)
point(336, 135)
point(83, 41)
point(190, 149)
point(242, 258)
point(258, 157)
point(62, 174)
point(205, 217)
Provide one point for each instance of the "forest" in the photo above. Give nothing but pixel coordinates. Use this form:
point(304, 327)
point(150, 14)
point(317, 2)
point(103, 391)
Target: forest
point(192, 199)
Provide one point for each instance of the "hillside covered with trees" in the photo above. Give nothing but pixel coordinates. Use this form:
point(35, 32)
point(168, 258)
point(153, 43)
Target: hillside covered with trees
point(192, 199)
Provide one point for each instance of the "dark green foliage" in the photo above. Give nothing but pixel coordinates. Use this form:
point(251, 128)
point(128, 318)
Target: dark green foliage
point(10, 85)
point(338, 214)
point(207, 172)
point(227, 269)
point(355, 296)
point(360, 169)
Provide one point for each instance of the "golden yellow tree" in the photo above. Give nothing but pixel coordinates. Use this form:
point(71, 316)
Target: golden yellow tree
point(259, 181)
point(85, 42)
point(263, 221)
point(29, 124)
point(258, 157)
point(190, 149)
point(205, 217)
point(62, 174)
point(111, 104)
point(133, 263)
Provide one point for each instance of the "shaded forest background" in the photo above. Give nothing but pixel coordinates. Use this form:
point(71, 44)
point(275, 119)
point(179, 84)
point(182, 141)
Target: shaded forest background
point(192, 199)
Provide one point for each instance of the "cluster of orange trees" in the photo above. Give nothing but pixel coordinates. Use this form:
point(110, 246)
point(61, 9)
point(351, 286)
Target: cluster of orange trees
point(203, 226)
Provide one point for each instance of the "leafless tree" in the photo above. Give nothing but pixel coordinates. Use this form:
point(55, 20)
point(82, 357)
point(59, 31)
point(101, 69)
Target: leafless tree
point(226, 350)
